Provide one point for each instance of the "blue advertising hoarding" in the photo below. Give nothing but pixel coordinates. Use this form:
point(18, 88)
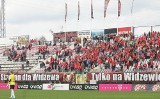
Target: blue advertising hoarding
point(97, 32)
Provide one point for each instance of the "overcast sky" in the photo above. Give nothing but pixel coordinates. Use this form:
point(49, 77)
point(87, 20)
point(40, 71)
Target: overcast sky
point(37, 17)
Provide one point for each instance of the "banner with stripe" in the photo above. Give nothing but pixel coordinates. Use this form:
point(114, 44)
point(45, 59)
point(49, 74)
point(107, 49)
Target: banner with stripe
point(119, 8)
point(92, 17)
point(106, 2)
point(78, 10)
point(65, 12)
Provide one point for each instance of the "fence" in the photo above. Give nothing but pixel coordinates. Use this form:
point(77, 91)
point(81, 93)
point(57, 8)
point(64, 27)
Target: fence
point(139, 30)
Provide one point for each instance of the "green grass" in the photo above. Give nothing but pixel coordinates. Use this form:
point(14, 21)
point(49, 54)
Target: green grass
point(39, 94)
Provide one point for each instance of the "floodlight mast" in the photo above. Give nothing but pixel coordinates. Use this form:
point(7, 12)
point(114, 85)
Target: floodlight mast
point(2, 20)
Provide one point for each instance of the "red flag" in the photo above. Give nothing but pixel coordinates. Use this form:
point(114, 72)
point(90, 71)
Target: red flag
point(78, 10)
point(65, 12)
point(92, 10)
point(119, 8)
point(106, 2)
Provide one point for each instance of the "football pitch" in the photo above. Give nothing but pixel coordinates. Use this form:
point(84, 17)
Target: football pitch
point(41, 94)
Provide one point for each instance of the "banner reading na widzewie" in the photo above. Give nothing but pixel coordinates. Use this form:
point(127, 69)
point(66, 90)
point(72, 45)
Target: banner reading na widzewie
point(125, 77)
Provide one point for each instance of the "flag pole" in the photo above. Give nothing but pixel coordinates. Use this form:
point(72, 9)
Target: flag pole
point(132, 7)
point(66, 8)
point(78, 15)
point(91, 26)
point(105, 25)
point(91, 15)
point(132, 13)
point(106, 3)
point(78, 24)
point(119, 13)
point(104, 13)
point(65, 32)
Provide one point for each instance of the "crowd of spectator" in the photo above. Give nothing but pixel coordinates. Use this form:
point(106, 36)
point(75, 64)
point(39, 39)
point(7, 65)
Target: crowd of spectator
point(103, 53)
point(17, 53)
point(113, 53)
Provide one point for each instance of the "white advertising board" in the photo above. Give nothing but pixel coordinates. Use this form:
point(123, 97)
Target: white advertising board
point(47, 87)
point(60, 87)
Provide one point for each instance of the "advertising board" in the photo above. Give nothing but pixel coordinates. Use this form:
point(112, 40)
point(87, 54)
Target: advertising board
point(146, 87)
point(83, 87)
point(115, 87)
point(6, 86)
point(47, 87)
point(60, 87)
point(30, 86)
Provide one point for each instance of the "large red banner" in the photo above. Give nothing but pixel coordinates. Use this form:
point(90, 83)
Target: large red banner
point(124, 30)
point(70, 35)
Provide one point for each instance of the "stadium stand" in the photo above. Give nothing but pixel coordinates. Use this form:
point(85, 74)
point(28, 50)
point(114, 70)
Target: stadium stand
point(104, 54)
point(112, 53)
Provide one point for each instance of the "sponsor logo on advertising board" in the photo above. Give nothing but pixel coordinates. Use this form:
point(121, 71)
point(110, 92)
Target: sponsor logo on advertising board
point(140, 87)
point(155, 87)
point(83, 87)
point(115, 87)
point(47, 87)
point(23, 87)
point(30, 86)
point(75, 87)
point(146, 87)
point(90, 87)
point(35, 86)
point(6, 86)
point(60, 87)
